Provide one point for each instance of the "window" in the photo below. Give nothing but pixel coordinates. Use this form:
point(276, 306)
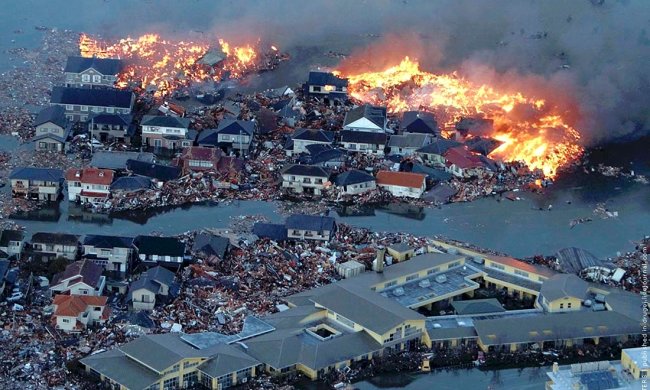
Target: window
point(85, 78)
point(65, 320)
point(170, 384)
point(42, 145)
point(97, 79)
point(206, 380)
point(497, 266)
point(521, 273)
point(225, 137)
point(189, 379)
point(454, 264)
point(110, 110)
point(390, 284)
point(316, 88)
point(68, 107)
point(411, 277)
point(568, 305)
point(157, 143)
point(84, 108)
point(97, 308)
point(433, 270)
point(561, 305)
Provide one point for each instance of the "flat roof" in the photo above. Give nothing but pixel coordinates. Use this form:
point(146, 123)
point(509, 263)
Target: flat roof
point(637, 355)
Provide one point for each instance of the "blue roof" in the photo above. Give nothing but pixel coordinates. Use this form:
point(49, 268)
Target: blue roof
point(419, 122)
point(131, 183)
point(165, 121)
point(92, 97)
point(310, 222)
point(105, 66)
point(100, 241)
point(328, 155)
point(232, 126)
point(155, 171)
point(112, 119)
point(42, 174)
point(208, 137)
point(325, 78)
point(273, 231)
point(54, 114)
point(353, 177)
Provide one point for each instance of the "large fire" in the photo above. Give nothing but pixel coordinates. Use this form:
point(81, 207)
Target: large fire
point(543, 140)
point(164, 65)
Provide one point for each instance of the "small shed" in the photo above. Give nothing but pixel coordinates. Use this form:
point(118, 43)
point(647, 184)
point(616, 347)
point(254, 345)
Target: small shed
point(400, 252)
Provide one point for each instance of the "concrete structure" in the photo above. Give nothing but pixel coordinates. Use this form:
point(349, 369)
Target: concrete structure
point(92, 72)
point(89, 185)
point(80, 103)
point(80, 278)
point(305, 179)
point(36, 183)
point(52, 245)
point(52, 129)
point(402, 184)
point(73, 313)
point(165, 133)
point(112, 253)
point(635, 360)
point(350, 268)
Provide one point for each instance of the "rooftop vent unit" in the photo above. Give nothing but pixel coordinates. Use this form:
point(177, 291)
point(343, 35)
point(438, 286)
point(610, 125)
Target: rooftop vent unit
point(598, 307)
point(478, 260)
point(398, 292)
point(424, 283)
point(437, 325)
point(587, 303)
point(600, 298)
point(441, 278)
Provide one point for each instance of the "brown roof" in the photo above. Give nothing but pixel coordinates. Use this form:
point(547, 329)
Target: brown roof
point(73, 305)
point(463, 158)
point(403, 179)
point(201, 153)
point(82, 270)
point(90, 175)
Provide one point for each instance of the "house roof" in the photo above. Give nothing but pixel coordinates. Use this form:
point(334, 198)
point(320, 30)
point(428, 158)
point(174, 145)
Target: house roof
point(328, 155)
point(105, 66)
point(409, 140)
point(11, 235)
point(272, 231)
point(363, 137)
point(201, 153)
point(228, 359)
point(99, 241)
point(116, 365)
point(564, 285)
point(315, 135)
point(478, 306)
point(402, 179)
point(54, 137)
point(522, 265)
point(92, 97)
point(212, 57)
point(375, 114)
point(483, 145)
point(310, 222)
point(111, 119)
point(161, 246)
point(88, 272)
point(41, 174)
point(165, 121)
point(53, 114)
point(476, 126)
point(432, 173)
point(306, 170)
point(419, 122)
point(131, 183)
point(208, 137)
point(438, 146)
point(400, 247)
point(233, 126)
point(73, 305)
point(117, 160)
point(140, 284)
point(314, 149)
point(210, 244)
point(153, 170)
point(55, 238)
point(463, 158)
point(160, 274)
point(90, 176)
point(326, 78)
point(573, 260)
point(353, 177)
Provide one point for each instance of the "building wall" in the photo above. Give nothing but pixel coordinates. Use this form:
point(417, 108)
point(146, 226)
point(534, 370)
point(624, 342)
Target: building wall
point(90, 78)
point(403, 191)
point(110, 258)
point(49, 191)
point(560, 305)
point(83, 289)
point(143, 299)
point(164, 259)
point(69, 252)
point(359, 188)
point(364, 148)
point(297, 183)
point(431, 159)
point(636, 368)
point(400, 256)
point(14, 248)
point(308, 235)
point(75, 112)
point(48, 144)
point(66, 323)
point(158, 141)
point(327, 89)
point(49, 128)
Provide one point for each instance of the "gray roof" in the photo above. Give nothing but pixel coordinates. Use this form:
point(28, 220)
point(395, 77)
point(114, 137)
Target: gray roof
point(31, 173)
point(132, 183)
point(116, 365)
point(306, 170)
point(117, 160)
point(439, 146)
point(547, 327)
point(165, 121)
point(374, 114)
point(105, 66)
point(160, 351)
point(564, 285)
point(210, 244)
point(316, 135)
point(233, 126)
point(409, 140)
point(363, 137)
point(353, 177)
point(160, 274)
point(228, 359)
point(101, 241)
point(310, 222)
point(142, 283)
point(478, 306)
point(574, 260)
point(272, 231)
point(54, 114)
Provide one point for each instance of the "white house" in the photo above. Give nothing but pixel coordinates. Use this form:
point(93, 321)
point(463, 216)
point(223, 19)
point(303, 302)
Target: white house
point(52, 129)
point(80, 278)
point(301, 138)
point(12, 242)
point(88, 185)
point(73, 313)
point(305, 179)
point(165, 132)
point(51, 245)
point(355, 182)
point(155, 282)
point(310, 227)
point(363, 142)
point(402, 184)
point(407, 144)
point(366, 118)
point(112, 253)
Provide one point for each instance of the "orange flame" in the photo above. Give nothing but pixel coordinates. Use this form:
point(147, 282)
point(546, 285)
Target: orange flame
point(167, 65)
point(545, 142)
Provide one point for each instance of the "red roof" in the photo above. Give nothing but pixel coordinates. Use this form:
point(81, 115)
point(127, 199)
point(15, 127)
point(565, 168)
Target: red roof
point(73, 305)
point(463, 158)
point(90, 175)
point(402, 179)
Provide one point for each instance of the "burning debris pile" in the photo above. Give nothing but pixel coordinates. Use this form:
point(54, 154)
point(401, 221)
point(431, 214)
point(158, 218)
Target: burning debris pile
point(162, 66)
point(543, 140)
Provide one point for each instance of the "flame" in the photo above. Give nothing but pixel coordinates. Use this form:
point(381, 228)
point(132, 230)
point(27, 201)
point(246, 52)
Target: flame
point(545, 142)
point(166, 65)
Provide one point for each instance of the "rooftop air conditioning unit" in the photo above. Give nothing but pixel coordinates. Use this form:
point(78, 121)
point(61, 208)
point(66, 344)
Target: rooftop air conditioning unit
point(441, 278)
point(424, 283)
point(398, 292)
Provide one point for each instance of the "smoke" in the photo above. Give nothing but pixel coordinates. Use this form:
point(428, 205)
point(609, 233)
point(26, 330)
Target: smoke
point(588, 58)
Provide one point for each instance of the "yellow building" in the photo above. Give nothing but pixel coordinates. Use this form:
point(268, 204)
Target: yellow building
point(636, 361)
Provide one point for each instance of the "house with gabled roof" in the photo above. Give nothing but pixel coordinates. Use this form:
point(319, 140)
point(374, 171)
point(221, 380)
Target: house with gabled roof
point(210, 246)
point(89, 185)
point(112, 253)
point(421, 122)
point(80, 103)
point(73, 313)
point(165, 133)
point(364, 142)
point(407, 144)
point(82, 277)
point(92, 72)
point(355, 182)
point(463, 163)
point(52, 129)
point(231, 135)
point(366, 118)
point(112, 127)
point(154, 283)
point(36, 183)
point(199, 159)
point(153, 250)
point(302, 137)
point(159, 172)
point(326, 84)
point(52, 245)
point(433, 153)
point(310, 227)
point(305, 179)
point(402, 184)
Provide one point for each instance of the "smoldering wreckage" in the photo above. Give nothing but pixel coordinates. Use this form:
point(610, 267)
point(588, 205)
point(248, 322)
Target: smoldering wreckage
point(217, 292)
